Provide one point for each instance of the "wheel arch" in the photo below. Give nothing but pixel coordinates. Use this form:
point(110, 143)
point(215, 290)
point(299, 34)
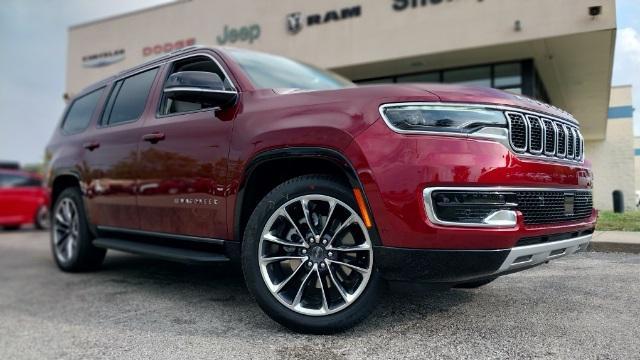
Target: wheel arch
point(63, 181)
point(293, 161)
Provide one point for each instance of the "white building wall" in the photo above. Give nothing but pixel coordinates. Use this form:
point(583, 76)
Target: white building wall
point(613, 158)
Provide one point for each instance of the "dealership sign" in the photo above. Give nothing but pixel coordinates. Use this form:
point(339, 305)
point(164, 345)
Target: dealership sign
point(248, 34)
point(296, 20)
point(103, 58)
point(167, 47)
point(400, 5)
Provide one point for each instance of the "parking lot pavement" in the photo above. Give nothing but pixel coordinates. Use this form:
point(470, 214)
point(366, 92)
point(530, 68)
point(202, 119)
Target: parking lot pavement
point(586, 306)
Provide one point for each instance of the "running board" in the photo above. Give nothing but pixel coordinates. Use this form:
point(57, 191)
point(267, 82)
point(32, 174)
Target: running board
point(160, 251)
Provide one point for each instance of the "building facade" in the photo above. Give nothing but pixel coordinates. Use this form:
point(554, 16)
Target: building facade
point(612, 158)
point(556, 51)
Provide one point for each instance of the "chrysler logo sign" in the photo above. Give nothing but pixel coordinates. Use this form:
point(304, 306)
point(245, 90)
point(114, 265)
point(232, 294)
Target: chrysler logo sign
point(103, 58)
point(295, 21)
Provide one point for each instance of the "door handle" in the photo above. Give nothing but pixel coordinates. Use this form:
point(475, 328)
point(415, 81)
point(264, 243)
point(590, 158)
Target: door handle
point(153, 137)
point(91, 145)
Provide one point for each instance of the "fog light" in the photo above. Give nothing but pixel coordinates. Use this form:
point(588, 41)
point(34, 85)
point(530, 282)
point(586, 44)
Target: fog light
point(471, 207)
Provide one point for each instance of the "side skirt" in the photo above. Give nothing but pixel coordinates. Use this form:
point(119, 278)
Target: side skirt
point(181, 248)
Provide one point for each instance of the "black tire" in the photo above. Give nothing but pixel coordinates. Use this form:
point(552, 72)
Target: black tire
point(326, 324)
point(86, 257)
point(474, 284)
point(41, 219)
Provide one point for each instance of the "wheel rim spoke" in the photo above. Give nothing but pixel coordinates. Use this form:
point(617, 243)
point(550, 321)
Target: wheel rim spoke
point(307, 216)
point(269, 260)
point(284, 213)
point(277, 288)
point(356, 268)
point(350, 220)
point(276, 240)
point(325, 303)
point(337, 285)
point(298, 298)
point(363, 247)
point(315, 282)
point(332, 207)
point(61, 220)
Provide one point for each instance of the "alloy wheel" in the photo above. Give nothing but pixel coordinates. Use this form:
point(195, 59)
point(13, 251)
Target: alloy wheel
point(66, 230)
point(315, 255)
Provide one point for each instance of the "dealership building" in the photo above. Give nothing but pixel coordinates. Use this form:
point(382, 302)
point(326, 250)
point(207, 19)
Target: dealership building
point(556, 51)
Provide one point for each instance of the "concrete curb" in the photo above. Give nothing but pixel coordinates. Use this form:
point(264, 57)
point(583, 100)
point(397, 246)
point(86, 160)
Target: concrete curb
point(615, 241)
point(605, 246)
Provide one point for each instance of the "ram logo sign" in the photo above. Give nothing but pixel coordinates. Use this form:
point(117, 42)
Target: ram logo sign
point(296, 20)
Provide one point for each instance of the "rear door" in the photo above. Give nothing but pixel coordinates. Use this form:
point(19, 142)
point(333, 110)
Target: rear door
point(183, 160)
point(110, 158)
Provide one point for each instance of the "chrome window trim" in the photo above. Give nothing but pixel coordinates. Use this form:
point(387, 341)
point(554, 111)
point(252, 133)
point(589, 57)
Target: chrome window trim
point(428, 201)
point(496, 134)
point(196, 89)
point(542, 135)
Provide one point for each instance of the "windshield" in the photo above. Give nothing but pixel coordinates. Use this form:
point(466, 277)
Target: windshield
point(268, 71)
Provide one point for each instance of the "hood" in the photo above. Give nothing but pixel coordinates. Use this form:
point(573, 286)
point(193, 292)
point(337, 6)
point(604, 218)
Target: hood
point(483, 95)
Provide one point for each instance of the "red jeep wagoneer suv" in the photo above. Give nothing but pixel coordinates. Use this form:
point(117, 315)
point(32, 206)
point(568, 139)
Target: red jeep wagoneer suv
point(321, 189)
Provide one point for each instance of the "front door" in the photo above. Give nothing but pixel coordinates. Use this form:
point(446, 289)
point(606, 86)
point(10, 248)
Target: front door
point(183, 162)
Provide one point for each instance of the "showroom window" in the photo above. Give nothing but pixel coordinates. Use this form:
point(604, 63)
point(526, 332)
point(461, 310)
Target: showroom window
point(518, 77)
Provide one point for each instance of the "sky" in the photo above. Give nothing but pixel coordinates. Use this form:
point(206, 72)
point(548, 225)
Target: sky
point(33, 34)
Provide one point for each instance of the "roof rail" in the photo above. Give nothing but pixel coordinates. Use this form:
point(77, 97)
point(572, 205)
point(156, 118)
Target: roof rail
point(162, 58)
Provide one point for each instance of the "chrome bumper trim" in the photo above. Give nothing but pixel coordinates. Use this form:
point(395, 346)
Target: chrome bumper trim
point(525, 256)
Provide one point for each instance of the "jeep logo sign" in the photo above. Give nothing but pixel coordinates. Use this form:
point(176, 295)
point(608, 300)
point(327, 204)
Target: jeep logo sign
point(295, 20)
point(245, 33)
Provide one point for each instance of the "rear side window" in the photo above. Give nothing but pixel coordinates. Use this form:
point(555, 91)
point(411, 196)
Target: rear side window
point(128, 98)
point(80, 112)
point(13, 181)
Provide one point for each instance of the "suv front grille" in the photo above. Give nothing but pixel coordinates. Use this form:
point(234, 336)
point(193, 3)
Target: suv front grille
point(544, 137)
point(544, 207)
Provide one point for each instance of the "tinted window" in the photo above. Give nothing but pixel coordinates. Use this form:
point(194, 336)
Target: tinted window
point(80, 111)
point(271, 72)
point(128, 98)
point(13, 180)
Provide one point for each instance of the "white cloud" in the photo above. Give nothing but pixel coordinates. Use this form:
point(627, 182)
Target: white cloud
point(626, 68)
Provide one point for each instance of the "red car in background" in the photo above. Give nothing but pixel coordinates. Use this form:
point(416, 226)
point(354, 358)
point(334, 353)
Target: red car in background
point(23, 200)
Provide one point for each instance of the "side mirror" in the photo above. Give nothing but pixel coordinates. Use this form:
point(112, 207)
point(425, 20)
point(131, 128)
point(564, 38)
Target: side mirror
point(198, 86)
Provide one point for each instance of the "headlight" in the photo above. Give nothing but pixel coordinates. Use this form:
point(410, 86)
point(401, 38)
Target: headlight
point(441, 118)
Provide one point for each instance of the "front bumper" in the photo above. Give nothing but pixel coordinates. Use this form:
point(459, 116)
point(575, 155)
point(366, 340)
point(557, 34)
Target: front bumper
point(458, 266)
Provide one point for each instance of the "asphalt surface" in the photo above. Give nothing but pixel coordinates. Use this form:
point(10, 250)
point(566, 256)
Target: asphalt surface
point(582, 307)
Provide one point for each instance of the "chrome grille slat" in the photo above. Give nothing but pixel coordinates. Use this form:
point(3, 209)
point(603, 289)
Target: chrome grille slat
point(536, 135)
point(545, 138)
point(519, 129)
